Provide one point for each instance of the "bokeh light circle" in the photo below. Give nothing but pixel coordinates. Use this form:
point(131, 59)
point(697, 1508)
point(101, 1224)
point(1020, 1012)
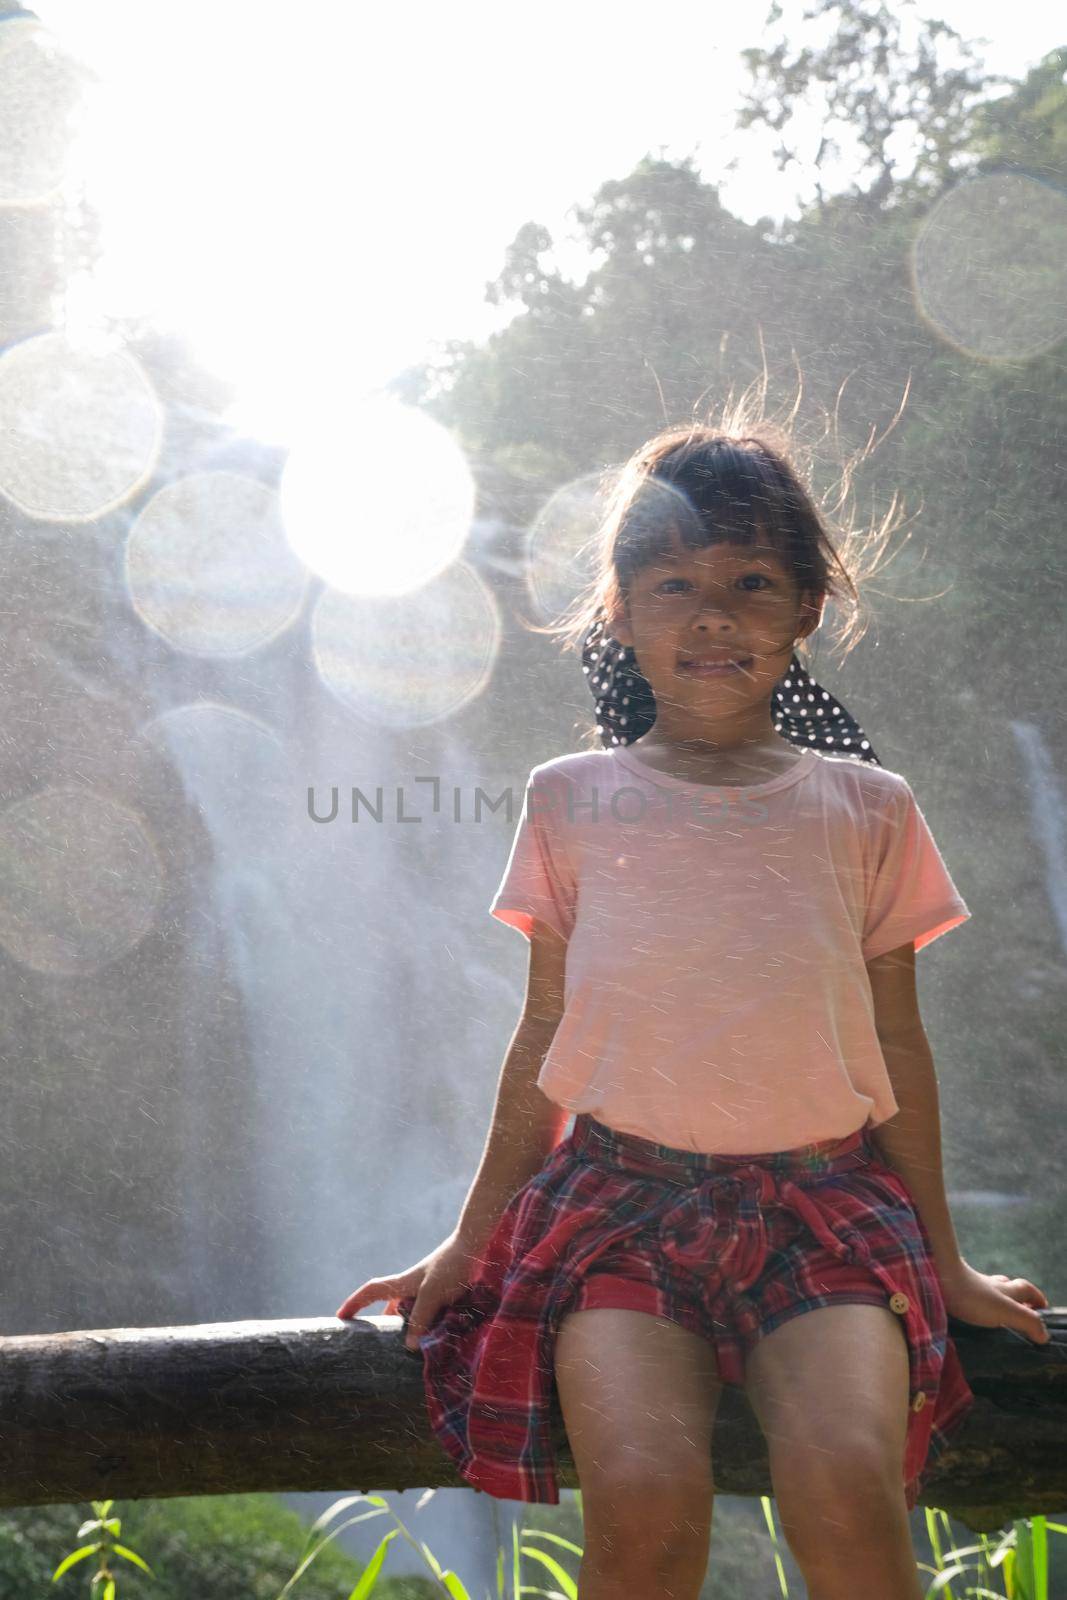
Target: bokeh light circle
point(560, 543)
point(208, 565)
point(409, 660)
point(81, 880)
point(234, 768)
point(989, 266)
point(80, 427)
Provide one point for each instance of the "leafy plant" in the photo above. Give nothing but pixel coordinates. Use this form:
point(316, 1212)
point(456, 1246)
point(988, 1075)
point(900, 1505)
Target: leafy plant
point(1019, 1554)
point(1013, 1564)
point(104, 1545)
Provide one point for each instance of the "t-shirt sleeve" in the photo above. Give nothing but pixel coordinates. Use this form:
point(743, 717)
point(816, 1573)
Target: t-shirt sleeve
point(538, 882)
point(912, 898)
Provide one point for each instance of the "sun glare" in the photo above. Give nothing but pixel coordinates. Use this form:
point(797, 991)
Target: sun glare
point(377, 500)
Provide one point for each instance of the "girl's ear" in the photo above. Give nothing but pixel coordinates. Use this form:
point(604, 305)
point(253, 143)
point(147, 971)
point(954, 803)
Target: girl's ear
point(811, 611)
point(618, 628)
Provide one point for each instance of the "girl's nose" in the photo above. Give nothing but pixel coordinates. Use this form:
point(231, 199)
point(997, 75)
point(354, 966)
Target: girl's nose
point(713, 616)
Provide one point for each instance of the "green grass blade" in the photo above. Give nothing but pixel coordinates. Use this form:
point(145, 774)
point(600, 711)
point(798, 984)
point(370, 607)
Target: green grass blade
point(370, 1573)
point(1024, 1560)
point(516, 1562)
point(944, 1578)
point(306, 1560)
point(562, 1577)
point(335, 1510)
point(768, 1517)
point(431, 1560)
point(1039, 1536)
point(542, 1533)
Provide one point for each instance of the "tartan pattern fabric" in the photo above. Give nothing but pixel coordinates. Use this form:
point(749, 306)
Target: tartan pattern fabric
point(727, 1246)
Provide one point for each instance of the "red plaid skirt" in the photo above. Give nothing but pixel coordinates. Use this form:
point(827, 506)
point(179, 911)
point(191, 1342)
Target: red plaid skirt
point(729, 1246)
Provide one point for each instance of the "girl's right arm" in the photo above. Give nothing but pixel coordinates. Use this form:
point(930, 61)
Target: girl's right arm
point(525, 1129)
point(526, 1125)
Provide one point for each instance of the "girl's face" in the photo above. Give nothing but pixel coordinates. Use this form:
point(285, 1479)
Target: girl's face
point(723, 602)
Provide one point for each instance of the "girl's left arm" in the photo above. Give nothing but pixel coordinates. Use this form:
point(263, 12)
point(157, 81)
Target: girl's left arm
point(910, 1143)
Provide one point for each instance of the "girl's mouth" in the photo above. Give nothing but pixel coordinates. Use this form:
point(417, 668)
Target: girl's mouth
point(710, 669)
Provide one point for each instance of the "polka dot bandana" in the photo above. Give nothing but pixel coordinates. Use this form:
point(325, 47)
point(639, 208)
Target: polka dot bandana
point(803, 711)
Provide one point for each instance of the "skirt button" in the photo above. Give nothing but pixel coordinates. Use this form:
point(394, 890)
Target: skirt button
point(919, 1401)
point(899, 1303)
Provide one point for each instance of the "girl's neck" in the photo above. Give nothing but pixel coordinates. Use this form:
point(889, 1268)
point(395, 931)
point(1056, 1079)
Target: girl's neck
point(749, 761)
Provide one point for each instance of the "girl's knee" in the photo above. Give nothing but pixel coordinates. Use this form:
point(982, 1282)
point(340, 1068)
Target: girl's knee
point(853, 1496)
point(648, 1522)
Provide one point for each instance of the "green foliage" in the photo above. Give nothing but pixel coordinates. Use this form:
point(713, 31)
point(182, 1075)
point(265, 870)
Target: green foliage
point(226, 1547)
point(1028, 128)
point(318, 1543)
point(102, 1530)
point(1017, 1558)
point(866, 78)
point(238, 1548)
point(1014, 1563)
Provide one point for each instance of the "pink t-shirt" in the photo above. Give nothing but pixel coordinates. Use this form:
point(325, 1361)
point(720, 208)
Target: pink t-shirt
point(716, 997)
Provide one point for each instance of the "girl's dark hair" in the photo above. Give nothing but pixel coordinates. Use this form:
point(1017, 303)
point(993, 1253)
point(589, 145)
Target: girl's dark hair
point(745, 480)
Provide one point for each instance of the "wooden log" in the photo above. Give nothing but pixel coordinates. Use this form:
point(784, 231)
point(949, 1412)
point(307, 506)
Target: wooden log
point(241, 1407)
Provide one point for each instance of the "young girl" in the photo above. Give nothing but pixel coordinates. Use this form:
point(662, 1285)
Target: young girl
point(723, 905)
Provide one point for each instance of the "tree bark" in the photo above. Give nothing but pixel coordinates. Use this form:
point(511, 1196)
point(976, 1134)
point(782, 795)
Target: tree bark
point(242, 1407)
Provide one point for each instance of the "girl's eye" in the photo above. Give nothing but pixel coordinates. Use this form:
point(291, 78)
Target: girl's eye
point(742, 579)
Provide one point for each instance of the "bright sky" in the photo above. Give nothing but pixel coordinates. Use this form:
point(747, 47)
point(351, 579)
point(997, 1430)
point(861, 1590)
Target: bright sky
point(317, 195)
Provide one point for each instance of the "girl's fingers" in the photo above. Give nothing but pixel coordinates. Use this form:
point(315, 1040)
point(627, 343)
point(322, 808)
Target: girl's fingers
point(366, 1295)
point(1022, 1289)
point(1019, 1292)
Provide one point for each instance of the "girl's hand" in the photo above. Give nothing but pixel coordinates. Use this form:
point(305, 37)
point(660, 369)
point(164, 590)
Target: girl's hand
point(993, 1300)
point(435, 1281)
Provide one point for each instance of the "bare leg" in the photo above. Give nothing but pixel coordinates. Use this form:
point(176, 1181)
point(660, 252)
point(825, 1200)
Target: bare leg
point(830, 1390)
point(639, 1396)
